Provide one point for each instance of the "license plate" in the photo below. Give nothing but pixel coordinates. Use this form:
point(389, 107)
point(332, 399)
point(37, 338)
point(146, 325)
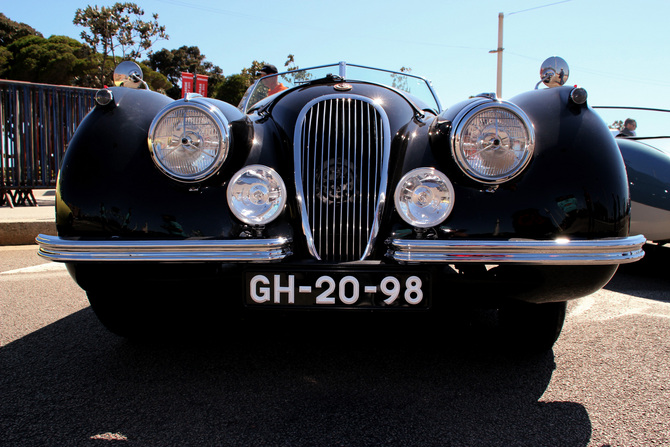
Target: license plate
point(337, 289)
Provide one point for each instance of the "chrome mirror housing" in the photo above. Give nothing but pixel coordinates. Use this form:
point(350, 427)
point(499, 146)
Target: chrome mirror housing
point(554, 72)
point(129, 74)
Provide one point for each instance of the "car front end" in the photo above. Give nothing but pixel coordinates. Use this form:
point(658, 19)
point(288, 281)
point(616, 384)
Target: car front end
point(341, 193)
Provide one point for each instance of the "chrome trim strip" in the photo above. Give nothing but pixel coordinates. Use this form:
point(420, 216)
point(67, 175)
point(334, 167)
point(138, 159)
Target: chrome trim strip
point(239, 250)
point(520, 251)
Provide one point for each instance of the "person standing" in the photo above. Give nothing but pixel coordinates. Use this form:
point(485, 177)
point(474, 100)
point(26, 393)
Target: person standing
point(271, 82)
point(629, 127)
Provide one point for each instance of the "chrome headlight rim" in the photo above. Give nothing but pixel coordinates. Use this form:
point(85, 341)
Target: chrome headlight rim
point(461, 123)
point(420, 175)
point(244, 214)
point(219, 120)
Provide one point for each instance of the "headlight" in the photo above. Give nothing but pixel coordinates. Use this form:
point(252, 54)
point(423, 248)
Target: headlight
point(493, 142)
point(189, 140)
point(424, 197)
point(256, 195)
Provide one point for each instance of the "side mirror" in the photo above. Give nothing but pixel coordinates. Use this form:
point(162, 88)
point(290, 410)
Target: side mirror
point(554, 72)
point(129, 74)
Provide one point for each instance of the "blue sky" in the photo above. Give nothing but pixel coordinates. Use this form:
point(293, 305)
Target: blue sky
point(618, 50)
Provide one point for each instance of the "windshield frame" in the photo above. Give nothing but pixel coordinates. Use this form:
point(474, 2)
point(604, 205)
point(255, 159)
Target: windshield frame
point(399, 81)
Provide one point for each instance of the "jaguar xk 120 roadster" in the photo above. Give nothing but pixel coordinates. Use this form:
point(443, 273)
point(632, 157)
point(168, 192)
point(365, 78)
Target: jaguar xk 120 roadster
point(350, 189)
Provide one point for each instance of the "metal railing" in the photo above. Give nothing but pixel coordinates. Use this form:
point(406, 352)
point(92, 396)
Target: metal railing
point(37, 123)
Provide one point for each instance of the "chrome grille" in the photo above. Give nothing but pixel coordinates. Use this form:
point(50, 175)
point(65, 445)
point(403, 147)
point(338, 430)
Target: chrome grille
point(341, 159)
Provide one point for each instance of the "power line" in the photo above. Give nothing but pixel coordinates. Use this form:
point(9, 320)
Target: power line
point(538, 7)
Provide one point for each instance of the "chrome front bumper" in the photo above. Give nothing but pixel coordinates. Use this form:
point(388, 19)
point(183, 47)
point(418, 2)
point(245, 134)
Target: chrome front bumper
point(558, 252)
point(520, 251)
point(240, 250)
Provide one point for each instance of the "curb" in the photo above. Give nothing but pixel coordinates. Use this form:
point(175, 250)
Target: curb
point(24, 233)
point(21, 224)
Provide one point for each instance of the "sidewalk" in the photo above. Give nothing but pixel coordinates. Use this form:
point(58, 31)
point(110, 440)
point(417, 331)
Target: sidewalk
point(21, 225)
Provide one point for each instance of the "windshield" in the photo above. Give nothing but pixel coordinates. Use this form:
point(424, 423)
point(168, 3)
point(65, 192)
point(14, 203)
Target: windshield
point(273, 84)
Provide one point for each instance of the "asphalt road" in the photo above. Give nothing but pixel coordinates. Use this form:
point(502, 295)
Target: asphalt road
point(66, 381)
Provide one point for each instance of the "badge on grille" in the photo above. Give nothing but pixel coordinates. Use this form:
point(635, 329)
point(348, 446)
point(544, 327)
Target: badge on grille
point(342, 87)
point(333, 182)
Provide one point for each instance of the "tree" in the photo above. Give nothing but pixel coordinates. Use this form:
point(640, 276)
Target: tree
point(156, 81)
point(56, 60)
point(232, 89)
point(250, 73)
point(234, 86)
point(401, 82)
point(28, 56)
point(11, 31)
point(171, 64)
point(297, 75)
point(616, 125)
point(290, 63)
point(5, 61)
point(118, 28)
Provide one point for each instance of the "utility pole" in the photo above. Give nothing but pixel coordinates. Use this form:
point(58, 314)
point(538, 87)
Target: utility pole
point(499, 50)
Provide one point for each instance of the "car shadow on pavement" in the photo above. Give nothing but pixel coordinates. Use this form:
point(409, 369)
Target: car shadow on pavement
point(647, 278)
point(279, 383)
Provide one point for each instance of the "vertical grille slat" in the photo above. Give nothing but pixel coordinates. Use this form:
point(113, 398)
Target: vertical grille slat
point(341, 156)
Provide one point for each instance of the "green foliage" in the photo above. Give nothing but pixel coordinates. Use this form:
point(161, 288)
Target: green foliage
point(156, 81)
point(5, 59)
point(401, 82)
point(28, 56)
point(11, 31)
point(232, 89)
point(250, 73)
point(290, 63)
point(171, 63)
point(114, 34)
point(118, 28)
point(616, 125)
point(235, 86)
point(56, 60)
point(298, 75)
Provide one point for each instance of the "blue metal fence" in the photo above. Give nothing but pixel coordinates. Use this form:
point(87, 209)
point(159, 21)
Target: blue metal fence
point(37, 121)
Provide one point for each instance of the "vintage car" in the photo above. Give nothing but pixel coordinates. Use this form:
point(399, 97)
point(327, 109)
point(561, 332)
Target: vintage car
point(352, 189)
point(648, 169)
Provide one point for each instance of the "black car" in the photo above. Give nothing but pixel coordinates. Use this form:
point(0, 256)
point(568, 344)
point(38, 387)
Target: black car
point(647, 159)
point(347, 189)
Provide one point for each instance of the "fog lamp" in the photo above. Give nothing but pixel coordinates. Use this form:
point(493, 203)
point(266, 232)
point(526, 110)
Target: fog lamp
point(256, 195)
point(424, 197)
